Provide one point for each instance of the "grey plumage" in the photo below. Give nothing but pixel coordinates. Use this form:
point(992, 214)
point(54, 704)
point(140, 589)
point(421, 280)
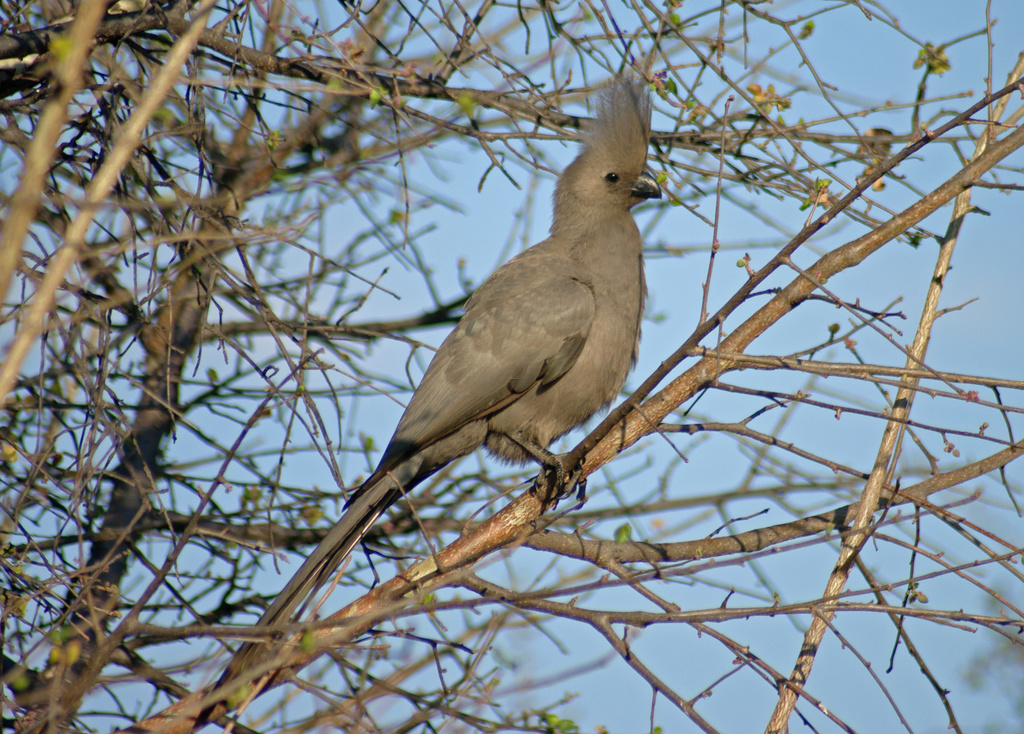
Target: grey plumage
point(546, 341)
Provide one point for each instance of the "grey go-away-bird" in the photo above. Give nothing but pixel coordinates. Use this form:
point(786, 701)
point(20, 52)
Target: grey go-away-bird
point(545, 342)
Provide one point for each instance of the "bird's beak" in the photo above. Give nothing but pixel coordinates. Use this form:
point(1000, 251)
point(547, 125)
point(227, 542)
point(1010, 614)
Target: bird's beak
point(646, 187)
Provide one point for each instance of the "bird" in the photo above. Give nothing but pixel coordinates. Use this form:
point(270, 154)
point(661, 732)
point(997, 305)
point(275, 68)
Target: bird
point(544, 343)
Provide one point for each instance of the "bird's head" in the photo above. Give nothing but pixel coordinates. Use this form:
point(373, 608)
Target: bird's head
point(610, 173)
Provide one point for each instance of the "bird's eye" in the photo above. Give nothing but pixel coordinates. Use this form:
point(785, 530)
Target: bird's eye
point(612, 178)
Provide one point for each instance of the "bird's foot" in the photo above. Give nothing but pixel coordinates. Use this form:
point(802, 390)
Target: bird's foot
point(575, 481)
point(558, 479)
point(559, 475)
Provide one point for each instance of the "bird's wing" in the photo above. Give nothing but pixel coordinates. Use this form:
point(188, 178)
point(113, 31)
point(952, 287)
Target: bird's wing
point(526, 325)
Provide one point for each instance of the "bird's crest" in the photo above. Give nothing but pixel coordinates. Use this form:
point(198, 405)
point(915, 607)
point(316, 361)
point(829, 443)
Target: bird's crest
point(623, 120)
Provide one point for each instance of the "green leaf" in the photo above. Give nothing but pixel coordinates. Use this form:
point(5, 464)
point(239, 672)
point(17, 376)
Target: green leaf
point(60, 47)
point(466, 103)
point(934, 57)
point(307, 641)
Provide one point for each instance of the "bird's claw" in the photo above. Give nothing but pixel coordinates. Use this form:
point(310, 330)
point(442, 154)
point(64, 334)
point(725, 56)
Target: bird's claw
point(557, 480)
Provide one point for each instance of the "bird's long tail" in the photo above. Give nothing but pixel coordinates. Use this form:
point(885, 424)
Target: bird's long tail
point(369, 502)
